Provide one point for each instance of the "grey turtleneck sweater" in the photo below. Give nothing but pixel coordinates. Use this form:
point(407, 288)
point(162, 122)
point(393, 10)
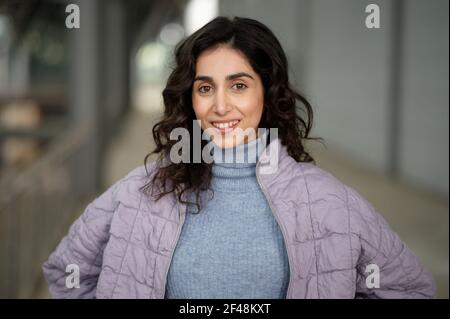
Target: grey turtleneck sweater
point(234, 247)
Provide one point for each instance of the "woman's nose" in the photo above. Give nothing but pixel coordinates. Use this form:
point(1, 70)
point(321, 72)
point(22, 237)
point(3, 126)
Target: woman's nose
point(221, 103)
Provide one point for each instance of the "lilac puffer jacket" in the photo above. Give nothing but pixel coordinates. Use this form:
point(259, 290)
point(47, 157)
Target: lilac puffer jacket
point(338, 246)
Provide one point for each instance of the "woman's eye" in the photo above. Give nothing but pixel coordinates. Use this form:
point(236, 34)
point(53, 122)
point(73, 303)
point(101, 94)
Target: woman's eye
point(204, 89)
point(240, 86)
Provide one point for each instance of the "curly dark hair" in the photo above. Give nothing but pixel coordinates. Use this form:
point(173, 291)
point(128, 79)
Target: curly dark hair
point(268, 60)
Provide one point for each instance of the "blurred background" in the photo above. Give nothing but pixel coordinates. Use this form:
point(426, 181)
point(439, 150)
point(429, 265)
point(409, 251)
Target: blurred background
point(77, 106)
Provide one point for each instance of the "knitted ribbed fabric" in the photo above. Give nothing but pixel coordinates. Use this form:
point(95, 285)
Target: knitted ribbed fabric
point(233, 248)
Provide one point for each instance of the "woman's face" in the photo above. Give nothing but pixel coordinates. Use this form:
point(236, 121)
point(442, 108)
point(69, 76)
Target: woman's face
point(227, 94)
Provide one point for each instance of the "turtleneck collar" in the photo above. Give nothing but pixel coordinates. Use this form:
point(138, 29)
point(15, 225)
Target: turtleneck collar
point(242, 155)
point(234, 169)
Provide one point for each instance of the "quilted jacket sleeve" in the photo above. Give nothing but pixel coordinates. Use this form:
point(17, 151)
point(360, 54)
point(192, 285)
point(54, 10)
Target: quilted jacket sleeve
point(82, 249)
point(401, 274)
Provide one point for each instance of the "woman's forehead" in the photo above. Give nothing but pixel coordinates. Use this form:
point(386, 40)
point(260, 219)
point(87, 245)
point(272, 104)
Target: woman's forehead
point(222, 61)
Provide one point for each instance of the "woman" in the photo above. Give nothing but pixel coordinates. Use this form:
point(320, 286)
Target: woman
point(212, 226)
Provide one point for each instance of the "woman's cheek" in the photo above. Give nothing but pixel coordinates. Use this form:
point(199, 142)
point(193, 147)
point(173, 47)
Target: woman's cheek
point(199, 110)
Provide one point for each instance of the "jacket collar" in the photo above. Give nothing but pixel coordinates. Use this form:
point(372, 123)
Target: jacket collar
point(272, 158)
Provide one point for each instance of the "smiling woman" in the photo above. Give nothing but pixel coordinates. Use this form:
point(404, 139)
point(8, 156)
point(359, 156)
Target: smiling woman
point(230, 95)
point(228, 75)
point(228, 230)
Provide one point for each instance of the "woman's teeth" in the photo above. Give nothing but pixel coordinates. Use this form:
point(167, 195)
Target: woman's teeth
point(226, 124)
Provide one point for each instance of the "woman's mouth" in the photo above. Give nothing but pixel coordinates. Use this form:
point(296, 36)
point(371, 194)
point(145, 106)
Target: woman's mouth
point(225, 127)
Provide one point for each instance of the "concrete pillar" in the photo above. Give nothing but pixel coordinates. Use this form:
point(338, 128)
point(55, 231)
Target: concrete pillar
point(84, 94)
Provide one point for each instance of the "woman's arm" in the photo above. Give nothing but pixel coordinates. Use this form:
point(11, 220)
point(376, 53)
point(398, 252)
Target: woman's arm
point(82, 249)
point(401, 274)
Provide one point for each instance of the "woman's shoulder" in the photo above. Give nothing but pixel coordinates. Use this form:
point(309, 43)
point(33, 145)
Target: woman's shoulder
point(128, 189)
point(139, 175)
point(320, 184)
point(317, 181)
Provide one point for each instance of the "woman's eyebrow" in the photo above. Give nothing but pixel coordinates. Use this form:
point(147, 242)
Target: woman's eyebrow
point(228, 78)
point(238, 75)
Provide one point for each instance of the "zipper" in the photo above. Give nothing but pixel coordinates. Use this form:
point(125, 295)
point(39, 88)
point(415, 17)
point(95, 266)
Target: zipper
point(177, 237)
point(281, 228)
